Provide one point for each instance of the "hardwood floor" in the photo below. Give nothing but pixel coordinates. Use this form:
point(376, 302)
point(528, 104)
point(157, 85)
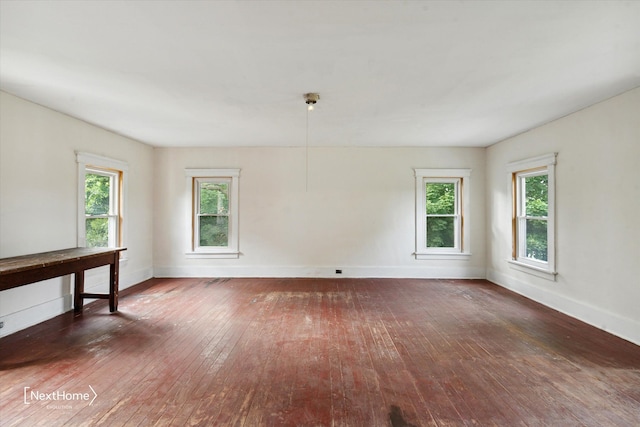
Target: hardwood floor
point(318, 352)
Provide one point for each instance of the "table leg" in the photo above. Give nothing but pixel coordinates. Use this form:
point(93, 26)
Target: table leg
point(113, 283)
point(78, 300)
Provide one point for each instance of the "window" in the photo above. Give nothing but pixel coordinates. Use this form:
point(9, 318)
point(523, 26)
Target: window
point(102, 207)
point(214, 212)
point(533, 227)
point(101, 189)
point(441, 224)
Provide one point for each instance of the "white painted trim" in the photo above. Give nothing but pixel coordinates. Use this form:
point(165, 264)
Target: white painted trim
point(622, 327)
point(420, 272)
point(444, 256)
point(97, 279)
point(105, 162)
point(531, 269)
point(519, 168)
point(135, 277)
point(532, 163)
point(212, 173)
point(421, 252)
point(231, 251)
point(85, 160)
point(30, 316)
point(442, 173)
point(218, 255)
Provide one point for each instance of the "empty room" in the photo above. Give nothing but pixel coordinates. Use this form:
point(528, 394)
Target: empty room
point(319, 213)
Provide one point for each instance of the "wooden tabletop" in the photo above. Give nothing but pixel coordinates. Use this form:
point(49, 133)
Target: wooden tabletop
point(47, 259)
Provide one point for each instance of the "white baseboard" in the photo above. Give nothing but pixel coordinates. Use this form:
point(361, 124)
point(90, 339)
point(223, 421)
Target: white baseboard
point(22, 319)
point(323, 272)
point(627, 329)
point(135, 277)
point(94, 282)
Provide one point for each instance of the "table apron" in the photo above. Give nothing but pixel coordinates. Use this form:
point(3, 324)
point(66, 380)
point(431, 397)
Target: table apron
point(39, 273)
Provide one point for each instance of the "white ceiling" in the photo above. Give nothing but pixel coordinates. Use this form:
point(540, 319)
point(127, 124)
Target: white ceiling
point(389, 73)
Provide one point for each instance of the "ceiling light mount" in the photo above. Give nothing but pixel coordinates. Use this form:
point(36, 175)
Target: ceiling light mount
point(310, 99)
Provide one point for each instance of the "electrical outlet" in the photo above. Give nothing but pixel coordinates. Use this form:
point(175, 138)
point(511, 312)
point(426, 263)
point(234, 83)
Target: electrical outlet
point(338, 271)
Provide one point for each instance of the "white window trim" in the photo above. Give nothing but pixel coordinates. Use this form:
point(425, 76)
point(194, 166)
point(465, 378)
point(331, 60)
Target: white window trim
point(545, 163)
point(231, 251)
point(87, 161)
point(424, 175)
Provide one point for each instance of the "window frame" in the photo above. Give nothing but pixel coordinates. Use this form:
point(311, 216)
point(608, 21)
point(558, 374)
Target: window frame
point(462, 179)
point(114, 217)
point(117, 170)
point(231, 177)
point(519, 171)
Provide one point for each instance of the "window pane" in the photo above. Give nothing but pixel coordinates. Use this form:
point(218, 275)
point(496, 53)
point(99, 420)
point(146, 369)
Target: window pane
point(214, 231)
point(214, 198)
point(537, 239)
point(97, 193)
point(441, 198)
point(97, 232)
point(536, 189)
point(440, 232)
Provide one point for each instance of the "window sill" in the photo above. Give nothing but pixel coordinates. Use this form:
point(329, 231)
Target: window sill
point(533, 270)
point(443, 255)
point(213, 255)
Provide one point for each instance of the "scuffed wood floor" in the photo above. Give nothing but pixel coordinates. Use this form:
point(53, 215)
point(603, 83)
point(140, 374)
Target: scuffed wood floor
point(319, 352)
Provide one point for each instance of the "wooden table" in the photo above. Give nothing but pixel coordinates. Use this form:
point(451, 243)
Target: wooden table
point(26, 269)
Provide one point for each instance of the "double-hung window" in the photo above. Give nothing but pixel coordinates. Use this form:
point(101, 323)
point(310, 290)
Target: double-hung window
point(101, 190)
point(214, 212)
point(533, 219)
point(102, 207)
point(442, 195)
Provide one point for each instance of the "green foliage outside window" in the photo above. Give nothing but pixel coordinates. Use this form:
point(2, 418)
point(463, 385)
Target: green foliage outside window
point(214, 231)
point(214, 214)
point(440, 210)
point(536, 205)
point(97, 195)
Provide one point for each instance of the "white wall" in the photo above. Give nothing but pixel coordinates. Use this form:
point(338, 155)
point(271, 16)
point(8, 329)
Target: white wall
point(357, 215)
point(598, 200)
point(38, 203)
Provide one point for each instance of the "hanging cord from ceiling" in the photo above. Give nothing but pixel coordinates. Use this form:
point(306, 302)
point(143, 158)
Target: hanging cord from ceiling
point(306, 157)
point(310, 99)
